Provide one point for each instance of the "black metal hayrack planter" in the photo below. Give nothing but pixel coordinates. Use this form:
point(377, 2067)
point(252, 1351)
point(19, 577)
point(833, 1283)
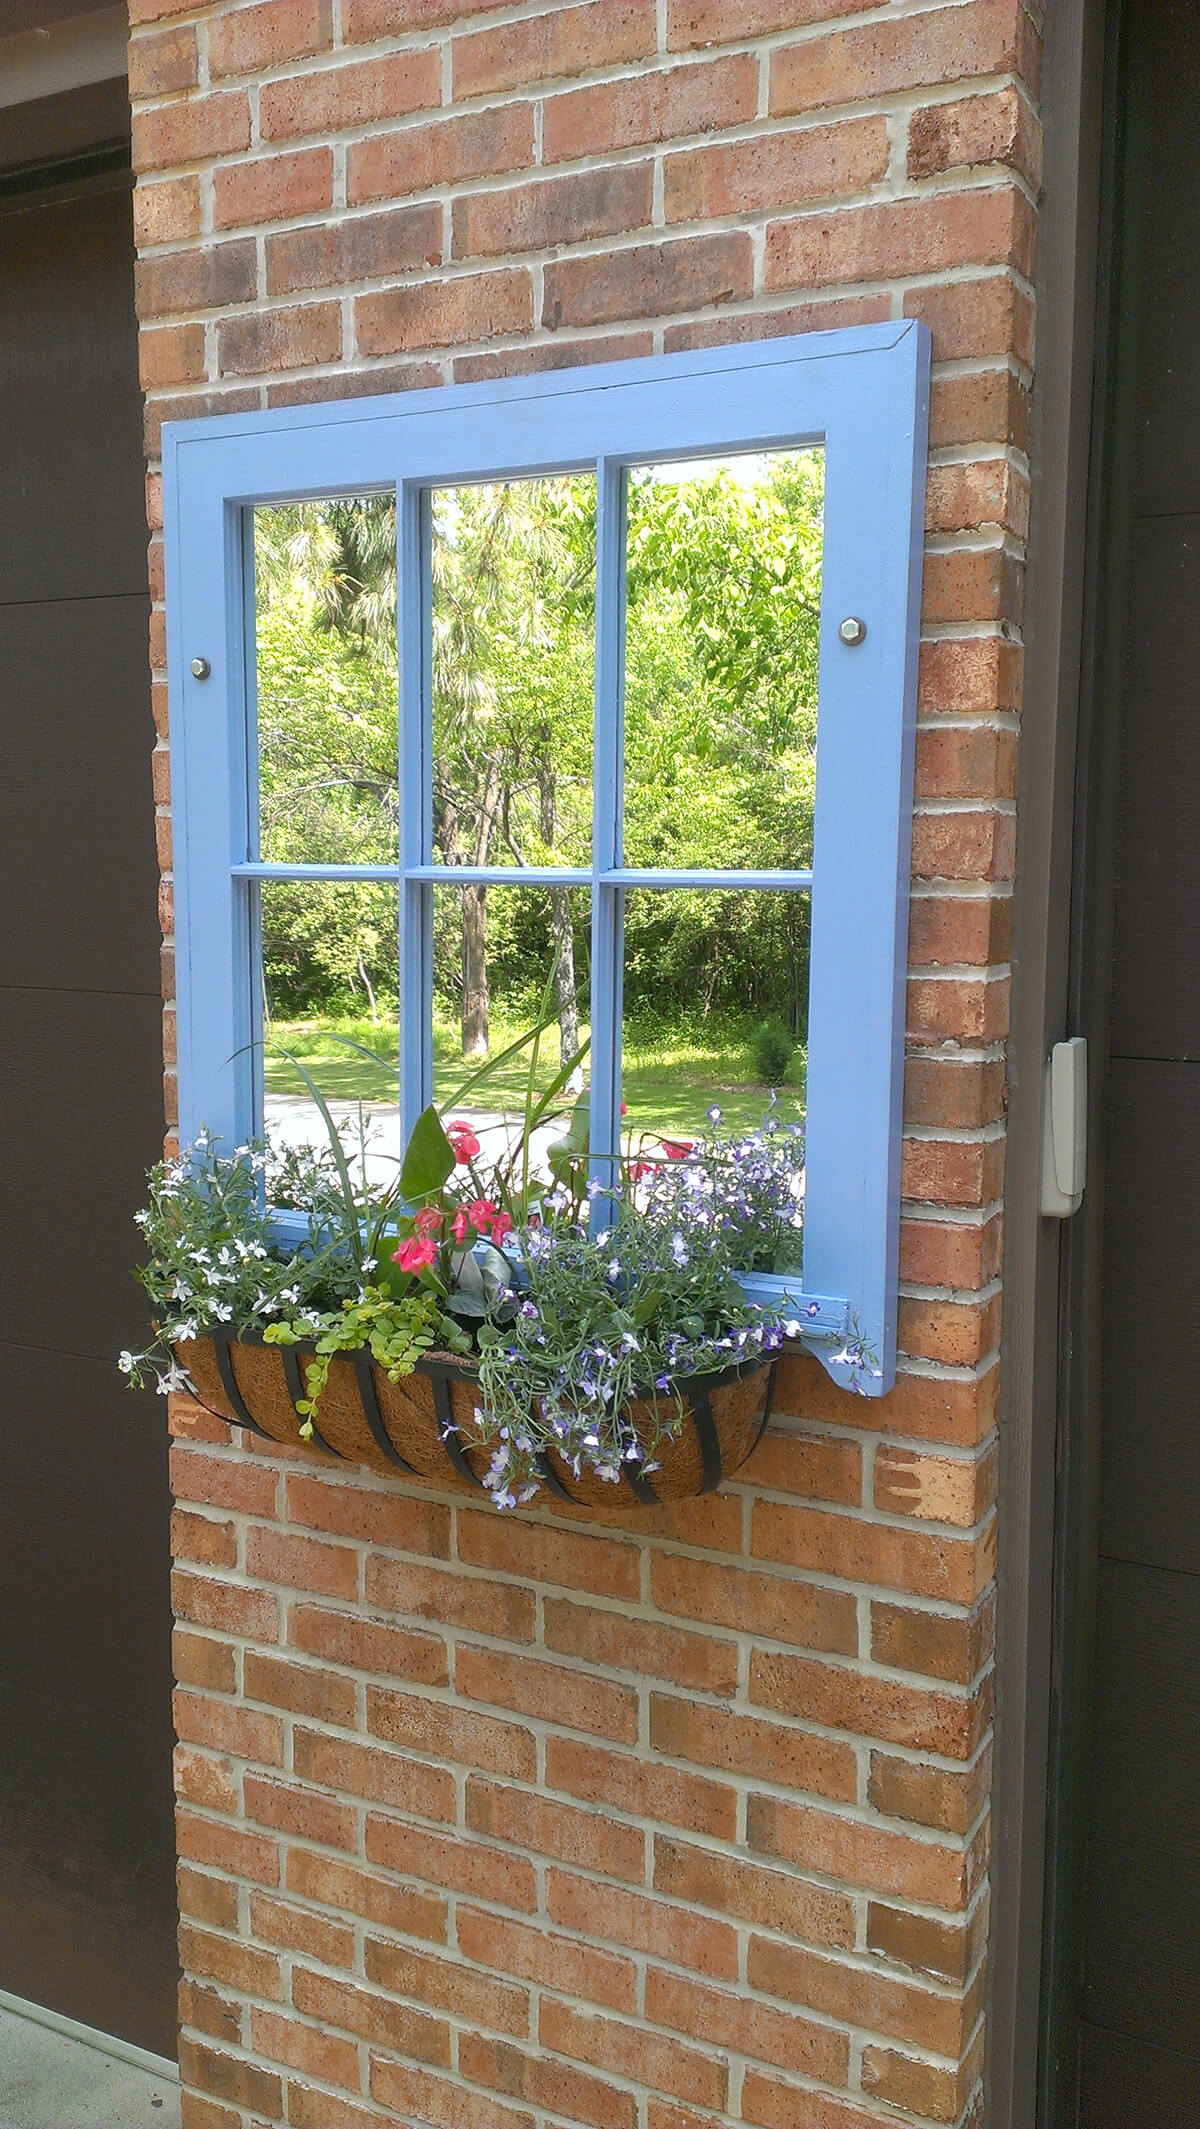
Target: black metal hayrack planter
point(425, 1427)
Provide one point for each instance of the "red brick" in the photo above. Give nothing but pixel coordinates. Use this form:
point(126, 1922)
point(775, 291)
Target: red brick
point(355, 384)
point(968, 319)
point(242, 1732)
point(551, 47)
point(859, 1853)
point(228, 1848)
point(452, 1599)
point(643, 1787)
point(643, 1646)
point(938, 2093)
point(953, 1172)
point(937, 1489)
point(301, 1688)
point(163, 62)
point(934, 1644)
point(963, 1008)
point(703, 22)
point(969, 676)
point(273, 188)
point(367, 1645)
point(250, 1614)
point(244, 2084)
point(783, 169)
point(956, 1569)
point(964, 846)
point(450, 1732)
point(999, 127)
point(572, 1699)
point(590, 1839)
point(365, 20)
point(211, 1784)
point(704, 1943)
point(779, 1607)
point(583, 1970)
point(356, 2010)
point(972, 584)
point(857, 1996)
point(539, 1553)
point(828, 314)
point(202, 1539)
point(303, 1563)
point(684, 274)
point(172, 356)
point(956, 930)
point(223, 1482)
point(445, 152)
point(813, 1465)
point(205, 1899)
point(967, 761)
point(303, 2047)
point(197, 2113)
point(191, 132)
point(746, 1745)
point(946, 44)
point(662, 104)
point(304, 1813)
point(447, 1985)
point(921, 1407)
point(439, 314)
point(461, 1866)
point(544, 2083)
point(400, 1522)
point(375, 1774)
point(285, 339)
point(985, 406)
point(205, 2010)
point(769, 2102)
point(759, 2030)
point(932, 234)
point(949, 1799)
point(654, 2061)
point(843, 1699)
point(293, 1929)
point(311, 2109)
point(404, 1908)
point(249, 40)
point(239, 1966)
point(552, 211)
point(367, 248)
point(947, 1951)
point(357, 95)
point(414, 2094)
point(960, 1255)
point(775, 1899)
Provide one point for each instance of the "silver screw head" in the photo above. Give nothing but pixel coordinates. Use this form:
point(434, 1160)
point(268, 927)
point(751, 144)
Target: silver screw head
point(852, 630)
point(200, 669)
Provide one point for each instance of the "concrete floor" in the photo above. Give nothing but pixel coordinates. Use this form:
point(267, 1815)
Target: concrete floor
point(49, 2081)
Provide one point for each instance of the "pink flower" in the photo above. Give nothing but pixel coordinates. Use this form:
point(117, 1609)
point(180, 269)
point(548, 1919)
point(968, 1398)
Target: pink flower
point(501, 1226)
point(415, 1254)
point(463, 1141)
point(481, 1212)
point(428, 1220)
point(677, 1149)
point(461, 1224)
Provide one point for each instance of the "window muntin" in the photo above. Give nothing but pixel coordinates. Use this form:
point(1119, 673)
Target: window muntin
point(860, 399)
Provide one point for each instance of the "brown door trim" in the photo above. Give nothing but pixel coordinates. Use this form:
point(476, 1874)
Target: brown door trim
point(1072, 109)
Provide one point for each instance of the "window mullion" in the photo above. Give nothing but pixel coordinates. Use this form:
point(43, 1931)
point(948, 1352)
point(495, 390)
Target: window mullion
point(414, 623)
point(608, 900)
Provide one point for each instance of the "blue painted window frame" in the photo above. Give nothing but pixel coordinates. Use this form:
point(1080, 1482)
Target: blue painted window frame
point(862, 395)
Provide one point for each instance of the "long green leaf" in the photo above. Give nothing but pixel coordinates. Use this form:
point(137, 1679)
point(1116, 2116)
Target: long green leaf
point(349, 1199)
point(428, 1157)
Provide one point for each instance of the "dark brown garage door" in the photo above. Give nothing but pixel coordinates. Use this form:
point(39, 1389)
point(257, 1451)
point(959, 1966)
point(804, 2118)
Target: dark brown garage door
point(86, 1875)
point(1138, 2063)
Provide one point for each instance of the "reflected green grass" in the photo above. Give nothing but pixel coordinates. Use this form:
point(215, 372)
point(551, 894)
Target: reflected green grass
point(672, 1073)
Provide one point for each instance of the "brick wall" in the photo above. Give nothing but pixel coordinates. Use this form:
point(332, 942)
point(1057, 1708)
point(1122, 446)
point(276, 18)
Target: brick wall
point(498, 1823)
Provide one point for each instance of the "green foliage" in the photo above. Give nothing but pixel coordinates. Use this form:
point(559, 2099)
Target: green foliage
point(774, 1048)
point(395, 1331)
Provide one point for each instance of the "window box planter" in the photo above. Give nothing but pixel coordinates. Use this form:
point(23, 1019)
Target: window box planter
point(423, 1426)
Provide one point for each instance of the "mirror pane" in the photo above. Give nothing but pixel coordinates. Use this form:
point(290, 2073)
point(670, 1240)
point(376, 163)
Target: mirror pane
point(325, 667)
point(723, 610)
point(715, 1011)
point(514, 594)
point(505, 960)
point(329, 991)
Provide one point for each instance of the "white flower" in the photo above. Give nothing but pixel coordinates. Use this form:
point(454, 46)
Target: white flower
point(126, 1363)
